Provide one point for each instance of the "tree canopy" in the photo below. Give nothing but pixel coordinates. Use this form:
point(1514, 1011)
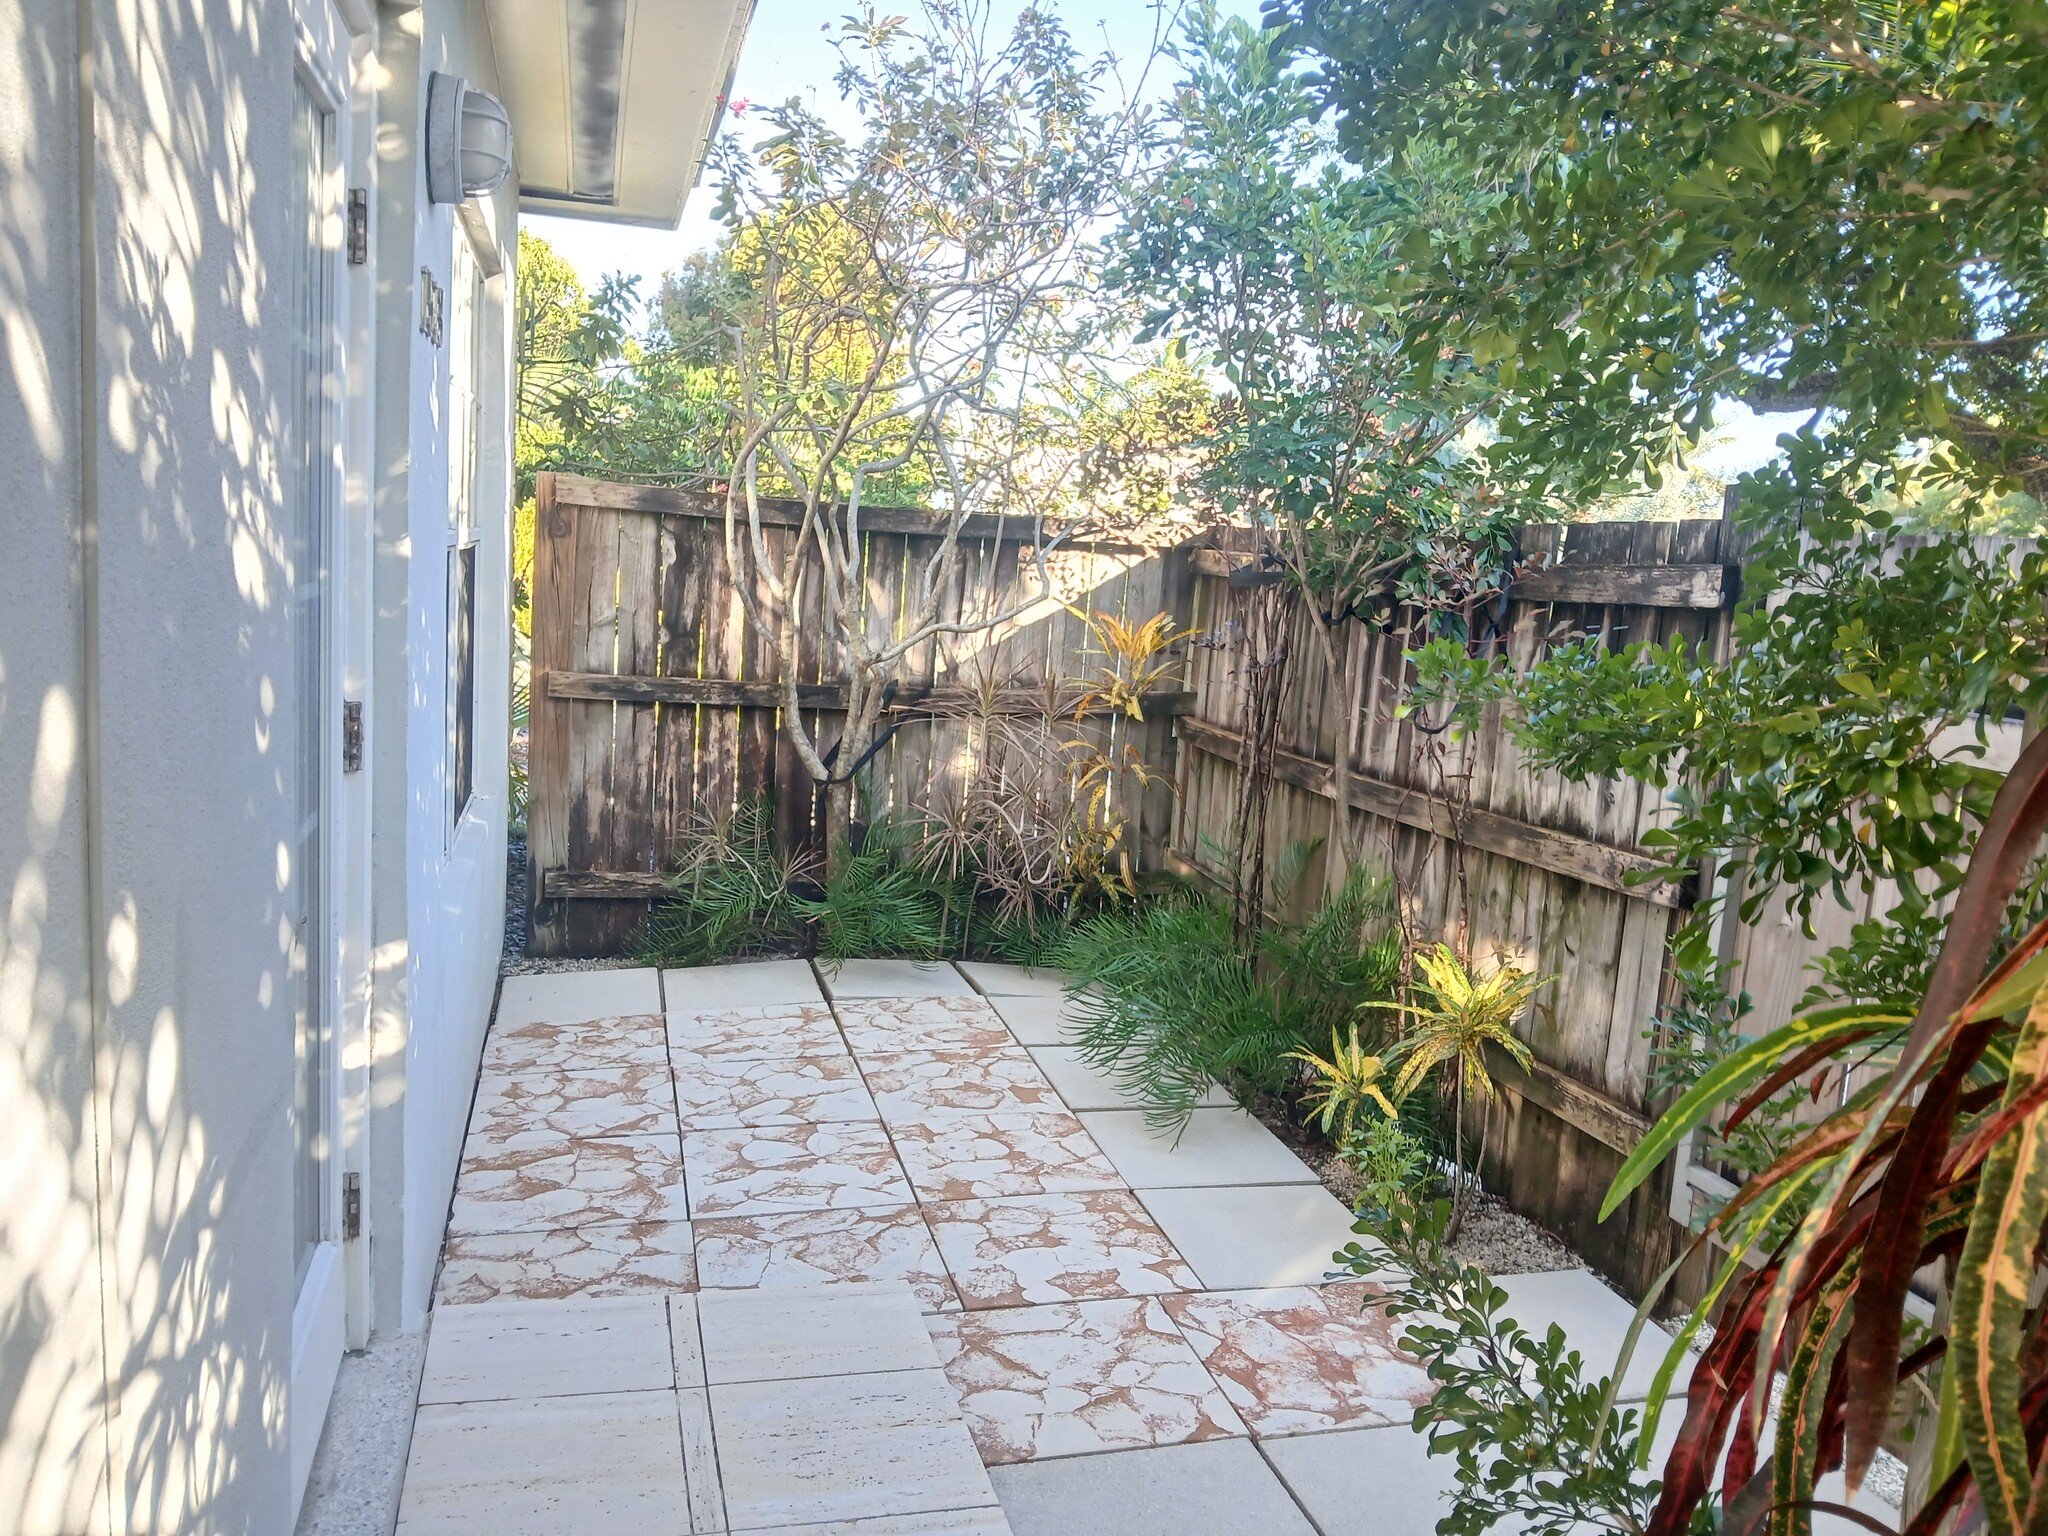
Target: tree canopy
point(1834, 206)
point(1793, 204)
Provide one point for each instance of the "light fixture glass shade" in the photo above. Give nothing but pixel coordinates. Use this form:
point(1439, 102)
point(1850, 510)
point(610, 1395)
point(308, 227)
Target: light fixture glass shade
point(469, 140)
point(486, 142)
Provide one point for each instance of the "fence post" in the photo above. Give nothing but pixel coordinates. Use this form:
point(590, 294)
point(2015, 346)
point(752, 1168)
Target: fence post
point(547, 746)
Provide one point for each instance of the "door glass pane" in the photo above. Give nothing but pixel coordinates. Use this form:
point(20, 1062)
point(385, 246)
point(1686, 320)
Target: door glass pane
point(312, 450)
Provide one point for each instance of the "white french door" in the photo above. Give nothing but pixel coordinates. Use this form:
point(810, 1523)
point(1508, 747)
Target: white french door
point(309, 291)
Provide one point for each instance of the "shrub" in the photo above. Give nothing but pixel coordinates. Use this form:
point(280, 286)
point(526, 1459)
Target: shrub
point(1169, 1004)
point(1515, 1408)
point(732, 894)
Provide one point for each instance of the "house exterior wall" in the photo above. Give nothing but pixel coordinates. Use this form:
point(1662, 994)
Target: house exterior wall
point(439, 903)
point(152, 1341)
point(52, 1432)
point(149, 1055)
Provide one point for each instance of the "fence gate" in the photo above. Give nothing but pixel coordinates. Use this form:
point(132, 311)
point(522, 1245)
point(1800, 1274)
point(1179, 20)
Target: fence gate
point(654, 704)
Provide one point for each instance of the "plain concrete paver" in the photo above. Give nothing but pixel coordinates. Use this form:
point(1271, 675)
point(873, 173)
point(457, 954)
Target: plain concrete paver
point(844, 1448)
point(1239, 1237)
point(1367, 1482)
point(1217, 1146)
point(569, 997)
point(743, 984)
point(837, 1330)
point(525, 1349)
point(892, 978)
point(1211, 1488)
point(1595, 1321)
point(994, 979)
point(603, 1464)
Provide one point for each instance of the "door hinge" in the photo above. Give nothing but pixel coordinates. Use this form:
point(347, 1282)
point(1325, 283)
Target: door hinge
point(351, 735)
point(358, 226)
point(351, 1207)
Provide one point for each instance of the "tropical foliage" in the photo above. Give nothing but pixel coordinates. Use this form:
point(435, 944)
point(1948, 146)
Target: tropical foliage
point(1169, 1004)
point(1393, 1164)
point(1452, 1028)
point(735, 892)
point(1833, 208)
point(1344, 1084)
point(732, 893)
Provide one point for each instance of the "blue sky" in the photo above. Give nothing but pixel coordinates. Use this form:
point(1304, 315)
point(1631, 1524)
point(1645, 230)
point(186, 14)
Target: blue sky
point(788, 52)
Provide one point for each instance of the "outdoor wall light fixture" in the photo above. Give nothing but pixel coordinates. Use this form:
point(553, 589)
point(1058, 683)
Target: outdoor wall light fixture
point(469, 140)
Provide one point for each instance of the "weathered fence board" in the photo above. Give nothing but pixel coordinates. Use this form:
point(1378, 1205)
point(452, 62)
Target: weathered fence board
point(655, 703)
point(1517, 862)
point(1596, 863)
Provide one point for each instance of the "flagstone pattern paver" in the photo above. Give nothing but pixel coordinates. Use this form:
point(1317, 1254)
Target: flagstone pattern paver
point(896, 1242)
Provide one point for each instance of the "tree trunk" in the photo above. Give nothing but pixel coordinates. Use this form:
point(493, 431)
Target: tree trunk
point(1457, 1162)
point(838, 827)
point(842, 795)
point(1351, 843)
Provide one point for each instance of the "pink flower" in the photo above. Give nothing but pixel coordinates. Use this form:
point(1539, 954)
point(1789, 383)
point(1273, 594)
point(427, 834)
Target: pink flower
point(740, 105)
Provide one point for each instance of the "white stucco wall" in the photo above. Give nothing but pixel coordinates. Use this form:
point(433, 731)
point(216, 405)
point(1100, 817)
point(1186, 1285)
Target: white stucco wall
point(439, 908)
point(147, 708)
point(148, 571)
point(52, 1446)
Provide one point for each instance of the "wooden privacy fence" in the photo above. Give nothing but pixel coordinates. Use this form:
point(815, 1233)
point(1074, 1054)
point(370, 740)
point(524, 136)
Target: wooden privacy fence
point(1544, 872)
point(654, 704)
point(1524, 863)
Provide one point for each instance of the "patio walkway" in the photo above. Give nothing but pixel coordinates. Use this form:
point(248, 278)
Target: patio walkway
point(732, 1250)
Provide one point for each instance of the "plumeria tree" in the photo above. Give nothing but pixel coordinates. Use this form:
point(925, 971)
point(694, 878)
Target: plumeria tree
point(906, 295)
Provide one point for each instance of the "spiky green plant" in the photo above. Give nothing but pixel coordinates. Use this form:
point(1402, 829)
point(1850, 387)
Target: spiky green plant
point(1466, 1017)
point(732, 893)
point(880, 903)
point(1343, 1084)
point(1168, 1005)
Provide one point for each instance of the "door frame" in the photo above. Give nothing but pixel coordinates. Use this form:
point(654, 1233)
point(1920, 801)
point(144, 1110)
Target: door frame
point(329, 1315)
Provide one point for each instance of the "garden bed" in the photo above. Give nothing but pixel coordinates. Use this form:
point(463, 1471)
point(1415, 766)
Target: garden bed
point(1499, 1240)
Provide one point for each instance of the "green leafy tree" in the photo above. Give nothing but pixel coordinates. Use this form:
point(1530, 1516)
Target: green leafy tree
point(1799, 205)
point(602, 389)
point(552, 312)
point(1254, 248)
point(1836, 208)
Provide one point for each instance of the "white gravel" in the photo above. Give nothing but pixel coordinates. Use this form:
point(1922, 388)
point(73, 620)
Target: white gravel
point(1505, 1242)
